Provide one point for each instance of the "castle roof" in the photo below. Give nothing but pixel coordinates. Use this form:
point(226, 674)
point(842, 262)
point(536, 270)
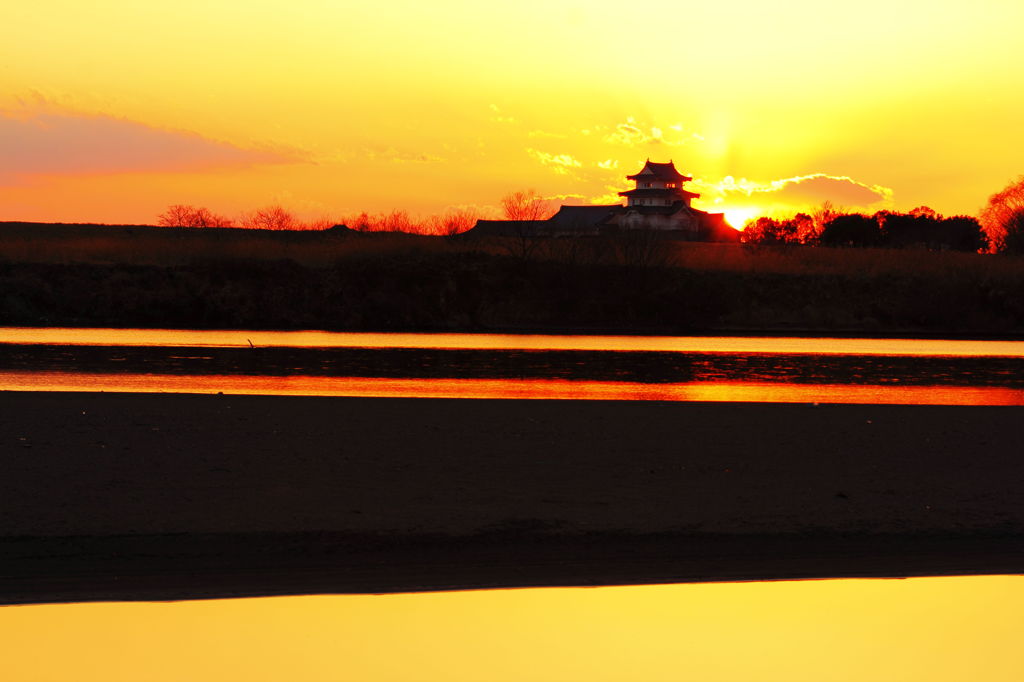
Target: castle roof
point(583, 216)
point(664, 172)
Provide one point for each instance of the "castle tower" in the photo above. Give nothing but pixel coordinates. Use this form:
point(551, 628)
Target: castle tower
point(658, 184)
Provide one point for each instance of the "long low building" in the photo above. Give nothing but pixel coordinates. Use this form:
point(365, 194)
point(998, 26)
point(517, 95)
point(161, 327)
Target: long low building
point(658, 203)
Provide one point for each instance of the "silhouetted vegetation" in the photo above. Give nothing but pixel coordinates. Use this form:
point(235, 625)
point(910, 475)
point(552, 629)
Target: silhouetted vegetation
point(526, 205)
point(522, 209)
point(181, 215)
point(68, 275)
point(272, 218)
point(1003, 218)
point(800, 229)
point(851, 230)
point(920, 228)
point(275, 217)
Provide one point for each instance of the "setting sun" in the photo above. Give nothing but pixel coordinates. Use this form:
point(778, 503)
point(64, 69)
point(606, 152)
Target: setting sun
point(738, 217)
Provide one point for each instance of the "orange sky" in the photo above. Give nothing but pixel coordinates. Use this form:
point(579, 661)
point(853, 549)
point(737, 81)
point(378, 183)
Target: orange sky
point(931, 629)
point(110, 111)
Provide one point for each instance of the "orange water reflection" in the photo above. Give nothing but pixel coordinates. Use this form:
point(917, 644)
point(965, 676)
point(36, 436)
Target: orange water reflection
point(538, 389)
point(935, 629)
point(695, 344)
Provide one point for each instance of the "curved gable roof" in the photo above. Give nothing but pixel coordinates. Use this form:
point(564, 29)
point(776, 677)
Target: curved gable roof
point(665, 172)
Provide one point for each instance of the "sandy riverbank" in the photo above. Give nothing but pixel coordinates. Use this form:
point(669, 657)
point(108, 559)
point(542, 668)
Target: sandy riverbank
point(174, 496)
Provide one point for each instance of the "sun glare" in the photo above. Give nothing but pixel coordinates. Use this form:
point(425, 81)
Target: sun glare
point(738, 217)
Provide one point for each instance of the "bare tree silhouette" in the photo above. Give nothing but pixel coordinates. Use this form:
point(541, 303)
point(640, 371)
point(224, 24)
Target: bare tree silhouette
point(456, 221)
point(820, 217)
point(270, 218)
point(524, 209)
point(525, 205)
point(183, 215)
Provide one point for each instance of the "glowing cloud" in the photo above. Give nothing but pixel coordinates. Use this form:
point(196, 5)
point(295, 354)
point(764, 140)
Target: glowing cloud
point(52, 143)
point(795, 194)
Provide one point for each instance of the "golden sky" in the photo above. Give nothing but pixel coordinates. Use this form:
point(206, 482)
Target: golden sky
point(111, 110)
point(930, 629)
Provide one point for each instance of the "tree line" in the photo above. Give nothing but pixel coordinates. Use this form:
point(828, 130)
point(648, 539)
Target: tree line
point(999, 228)
point(922, 227)
point(451, 222)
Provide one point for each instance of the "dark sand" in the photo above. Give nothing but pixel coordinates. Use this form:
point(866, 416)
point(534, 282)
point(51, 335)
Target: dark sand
point(127, 496)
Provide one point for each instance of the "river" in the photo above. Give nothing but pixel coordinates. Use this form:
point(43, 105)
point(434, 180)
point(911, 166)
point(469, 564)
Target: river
point(928, 628)
point(754, 369)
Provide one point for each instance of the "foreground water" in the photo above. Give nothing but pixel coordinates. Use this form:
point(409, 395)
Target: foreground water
point(903, 371)
point(321, 339)
point(934, 629)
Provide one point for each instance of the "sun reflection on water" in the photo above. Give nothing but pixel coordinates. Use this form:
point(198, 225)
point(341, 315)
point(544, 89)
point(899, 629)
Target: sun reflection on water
point(935, 629)
point(698, 344)
point(522, 389)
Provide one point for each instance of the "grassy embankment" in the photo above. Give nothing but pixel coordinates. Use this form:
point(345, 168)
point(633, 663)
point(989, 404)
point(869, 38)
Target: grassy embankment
point(66, 275)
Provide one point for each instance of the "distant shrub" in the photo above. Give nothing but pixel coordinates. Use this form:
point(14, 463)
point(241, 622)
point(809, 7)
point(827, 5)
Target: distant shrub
point(526, 205)
point(1002, 219)
point(852, 229)
point(1013, 238)
point(925, 228)
point(768, 231)
point(183, 215)
point(270, 218)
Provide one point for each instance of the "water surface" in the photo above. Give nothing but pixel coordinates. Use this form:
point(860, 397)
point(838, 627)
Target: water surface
point(934, 629)
point(321, 339)
point(898, 371)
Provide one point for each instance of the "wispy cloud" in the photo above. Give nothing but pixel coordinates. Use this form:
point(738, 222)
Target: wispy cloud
point(633, 134)
point(62, 143)
point(622, 147)
point(394, 155)
point(583, 173)
point(498, 116)
point(571, 198)
point(610, 196)
point(559, 163)
point(545, 133)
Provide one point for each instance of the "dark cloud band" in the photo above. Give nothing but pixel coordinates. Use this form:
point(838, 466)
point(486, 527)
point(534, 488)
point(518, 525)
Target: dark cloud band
point(70, 144)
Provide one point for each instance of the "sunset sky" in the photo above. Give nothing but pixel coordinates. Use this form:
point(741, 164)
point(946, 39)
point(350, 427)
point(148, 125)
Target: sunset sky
point(110, 110)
